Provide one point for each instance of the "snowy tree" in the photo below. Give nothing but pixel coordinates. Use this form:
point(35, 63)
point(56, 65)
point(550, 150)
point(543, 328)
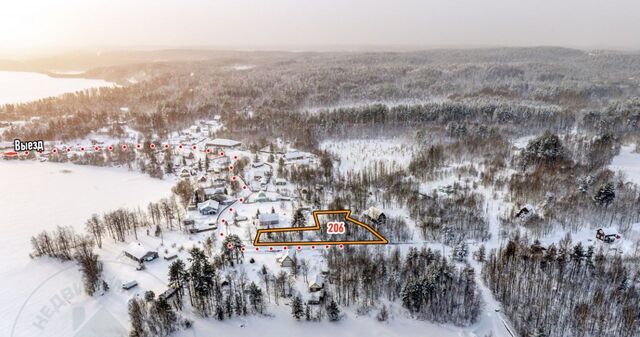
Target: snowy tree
point(333, 312)
point(297, 310)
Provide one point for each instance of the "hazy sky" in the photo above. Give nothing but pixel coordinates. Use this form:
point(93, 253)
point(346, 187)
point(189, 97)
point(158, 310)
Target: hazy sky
point(59, 24)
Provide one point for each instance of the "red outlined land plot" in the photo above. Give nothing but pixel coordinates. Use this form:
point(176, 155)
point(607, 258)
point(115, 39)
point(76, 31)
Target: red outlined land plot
point(352, 225)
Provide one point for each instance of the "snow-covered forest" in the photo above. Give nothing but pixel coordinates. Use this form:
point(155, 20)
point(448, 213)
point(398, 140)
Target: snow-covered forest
point(508, 180)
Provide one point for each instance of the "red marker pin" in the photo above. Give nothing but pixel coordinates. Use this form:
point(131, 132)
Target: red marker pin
point(82, 148)
point(257, 249)
point(221, 153)
point(230, 209)
point(235, 157)
point(221, 234)
point(298, 248)
point(124, 146)
point(285, 247)
point(207, 150)
point(233, 178)
point(313, 247)
point(26, 153)
point(231, 168)
point(97, 148)
point(54, 151)
point(341, 246)
point(194, 147)
point(270, 248)
point(223, 220)
point(230, 246)
point(152, 145)
point(180, 146)
point(110, 148)
point(241, 199)
point(68, 149)
point(242, 249)
point(166, 146)
point(138, 146)
point(244, 187)
point(326, 247)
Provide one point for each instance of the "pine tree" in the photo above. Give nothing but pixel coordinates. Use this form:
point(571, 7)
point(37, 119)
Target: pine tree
point(296, 308)
point(307, 312)
point(333, 312)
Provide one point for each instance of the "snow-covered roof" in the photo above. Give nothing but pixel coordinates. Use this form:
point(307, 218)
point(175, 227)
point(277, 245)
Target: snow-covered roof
point(268, 217)
point(281, 180)
point(213, 190)
point(136, 250)
point(316, 281)
point(609, 231)
point(295, 155)
point(373, 213)
point(283, 256)
point(209, 203)
point(223, 142)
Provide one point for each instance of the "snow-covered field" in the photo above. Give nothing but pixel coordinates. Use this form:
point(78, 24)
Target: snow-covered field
point(628, 162)
point(358, 154)
point(20, 87)
point(43, 297)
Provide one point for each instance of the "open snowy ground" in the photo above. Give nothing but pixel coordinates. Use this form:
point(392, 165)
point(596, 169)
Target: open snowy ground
point(628, 162)
point(358, 154)
point(37, 196)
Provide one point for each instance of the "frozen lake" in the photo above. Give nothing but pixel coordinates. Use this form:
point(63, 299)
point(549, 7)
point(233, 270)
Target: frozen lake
point(20, 87)
point(37, 196)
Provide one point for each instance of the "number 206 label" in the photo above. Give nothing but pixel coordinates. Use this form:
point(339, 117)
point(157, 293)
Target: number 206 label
point(335, 228)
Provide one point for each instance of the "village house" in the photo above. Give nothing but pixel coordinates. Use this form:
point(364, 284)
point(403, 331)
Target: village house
point(607, 235)
point(374, 214)
point(285, 260)
point(268, 219)
point(139, 253)
point(316, 283)
point(208, 207)
point(211, 192)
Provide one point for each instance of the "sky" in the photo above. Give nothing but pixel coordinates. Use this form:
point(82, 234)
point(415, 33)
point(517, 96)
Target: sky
point(40, 25)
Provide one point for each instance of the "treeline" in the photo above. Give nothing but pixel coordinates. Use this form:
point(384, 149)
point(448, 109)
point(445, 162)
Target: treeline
point(564, 289)
point(429, 286)
point(119, 224)
point(65, 244)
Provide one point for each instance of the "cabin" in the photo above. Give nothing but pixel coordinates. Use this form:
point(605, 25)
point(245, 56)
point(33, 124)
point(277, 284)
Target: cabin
point(203, 178)
point(374, 214)
point(268, 219)
point(208, 207)
point(280, 182)
point(285, 260)
point(139, 253)
point(316, 284)
point(257, 164)
point(607, 235)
